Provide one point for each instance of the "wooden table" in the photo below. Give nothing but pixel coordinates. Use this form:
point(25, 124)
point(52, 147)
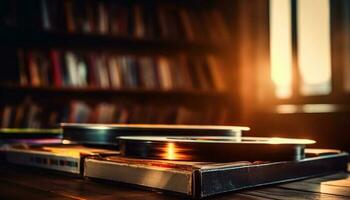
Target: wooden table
point(28, 183)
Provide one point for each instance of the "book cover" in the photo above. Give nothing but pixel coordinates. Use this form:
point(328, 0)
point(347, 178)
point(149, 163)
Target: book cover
point(200, 179)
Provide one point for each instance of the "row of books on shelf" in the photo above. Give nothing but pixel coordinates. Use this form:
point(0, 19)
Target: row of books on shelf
point(59, 69)
point(34, 115)
point(121, 18)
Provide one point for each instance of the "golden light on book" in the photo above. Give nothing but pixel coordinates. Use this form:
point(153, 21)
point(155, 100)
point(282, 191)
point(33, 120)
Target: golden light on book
point(171, 151)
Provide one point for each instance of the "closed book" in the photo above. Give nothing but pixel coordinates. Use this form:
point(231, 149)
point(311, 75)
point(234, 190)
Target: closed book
point(216, 69)
point(164, 73)
point(203, 179)
point(44, 69)
point(33, 69)
point(139, 29)
point(58, 157)
point(69, 16)
point(195, 80)
point(82, 71)
point(56, 66)
point(184, 72)
point(103, 18)
point(176, 75)
point(115, 71)
point(201, 75)
point(32, 117)
point(220, 26)
point(134, 72)
point(72, 69)
point(186, 24)
point(147, 72)
point(23, 71)
point(7, 111)
point(102, 72)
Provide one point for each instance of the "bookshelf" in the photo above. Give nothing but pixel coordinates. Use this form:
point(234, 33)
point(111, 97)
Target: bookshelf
point(171, 61)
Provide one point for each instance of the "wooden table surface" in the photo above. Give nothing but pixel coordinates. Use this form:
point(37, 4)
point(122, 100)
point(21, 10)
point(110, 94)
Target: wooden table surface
point(29, 183)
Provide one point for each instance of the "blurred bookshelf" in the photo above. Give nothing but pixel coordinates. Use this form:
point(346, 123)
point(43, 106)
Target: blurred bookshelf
point(146, 62)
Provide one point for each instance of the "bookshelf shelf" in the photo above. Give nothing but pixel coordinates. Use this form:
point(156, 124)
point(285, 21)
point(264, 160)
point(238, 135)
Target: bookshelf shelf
point(43, 39)
point(98, 94)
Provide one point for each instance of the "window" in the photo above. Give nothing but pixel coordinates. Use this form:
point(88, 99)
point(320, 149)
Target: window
point(310, 53)
point(312, 46)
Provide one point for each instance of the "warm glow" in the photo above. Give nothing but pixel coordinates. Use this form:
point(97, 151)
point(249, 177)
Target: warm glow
point(277, 140)
point(307, 108)
point(170, 151)
point(314, 46)
point(281, 46)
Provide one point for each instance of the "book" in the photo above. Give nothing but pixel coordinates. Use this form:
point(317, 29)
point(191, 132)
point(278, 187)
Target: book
point(216, 69)
point(164, 73)
point(103, 20)
point(33, 69)
point(58, 157)
point(138, 13)
point(187, 24)
point(23, 72)
point(203, 179)
point(115, 73)
point(56, 64)
point(69, 16)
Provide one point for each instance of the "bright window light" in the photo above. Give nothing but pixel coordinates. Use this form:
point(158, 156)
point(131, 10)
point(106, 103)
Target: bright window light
point(314, 46)
point(281, 47)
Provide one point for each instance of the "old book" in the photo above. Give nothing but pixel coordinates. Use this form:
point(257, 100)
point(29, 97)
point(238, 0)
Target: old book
point(23, 72)
point(44, 69)
point(82, 71)
point(147, 72)
point(72, 68)
point(139, 21)
point(69, 16)
point(103, 18)
point(114, 71)
point(164, 73)
point(187, 24)
point(216, 69)
point(33, 66)
point(7, 111)
point(102, 71)
point(184, 72)
point(56, 68)
point(220, 26)
point(59, 157)
point(200, 179)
